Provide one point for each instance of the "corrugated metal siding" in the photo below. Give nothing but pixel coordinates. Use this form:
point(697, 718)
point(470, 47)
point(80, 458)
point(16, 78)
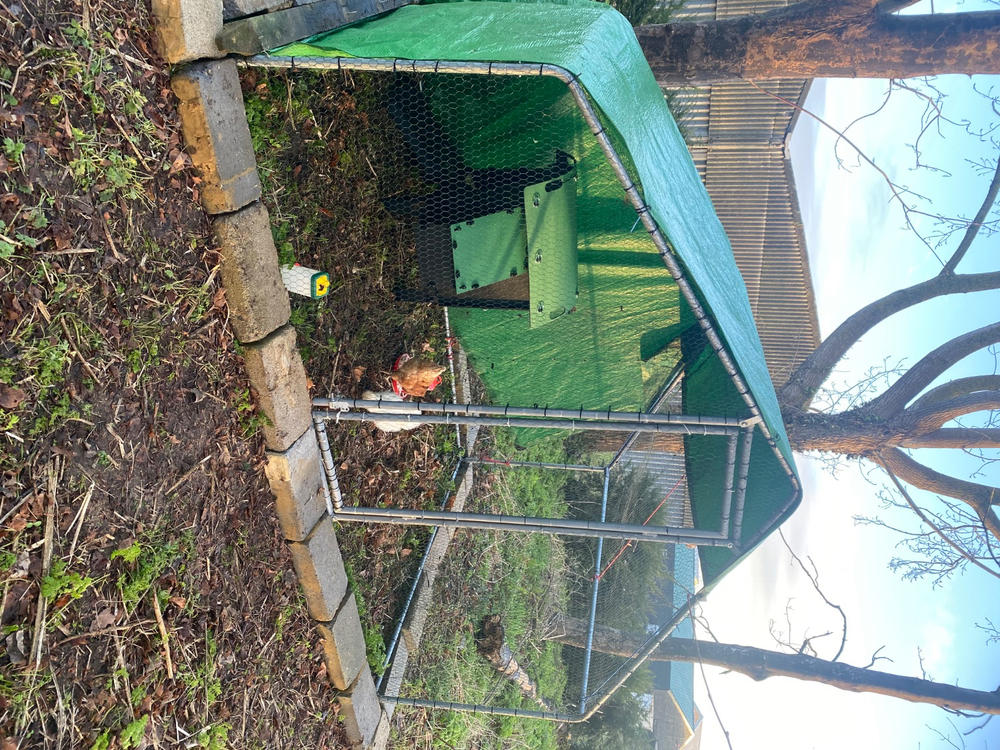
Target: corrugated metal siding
point(749, 178)
point(736, 135)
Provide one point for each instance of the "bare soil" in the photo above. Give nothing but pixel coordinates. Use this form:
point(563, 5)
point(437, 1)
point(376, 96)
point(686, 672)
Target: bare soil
point(134, 511)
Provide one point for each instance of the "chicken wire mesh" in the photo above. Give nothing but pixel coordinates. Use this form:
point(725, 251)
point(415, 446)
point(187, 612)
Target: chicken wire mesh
point(527, 229)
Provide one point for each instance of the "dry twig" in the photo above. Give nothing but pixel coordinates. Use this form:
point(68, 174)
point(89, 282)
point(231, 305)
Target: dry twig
point(163, 635)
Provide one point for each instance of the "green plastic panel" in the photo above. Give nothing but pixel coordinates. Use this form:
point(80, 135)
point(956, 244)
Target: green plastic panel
point(550, 222)
point(488, 249)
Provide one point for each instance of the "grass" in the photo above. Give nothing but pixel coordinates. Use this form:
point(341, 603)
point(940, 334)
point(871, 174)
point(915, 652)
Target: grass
point(521, 576)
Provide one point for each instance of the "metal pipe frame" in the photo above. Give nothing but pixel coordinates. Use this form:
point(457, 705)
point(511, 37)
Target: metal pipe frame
point(533, 465)
point(593, 597)
point(545, 424)
point(667, 255)
point(331, 485)
point(741, 487)
point(393, 408)
point(727, 493)
point(531, 524)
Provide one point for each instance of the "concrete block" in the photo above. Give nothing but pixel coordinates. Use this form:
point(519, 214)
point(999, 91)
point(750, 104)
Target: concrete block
point(463, 387)
point(438, 549)
point(397, 671)
point(257, 299)
point(361, 711)
point(463, 390)
point(416, 617)
point(463, 490)
point(277, 375)
point(382, 731)
point(217, 135)
point(233, 9)
point(296, 479)
point(344, 645)
point(186, 29)
point(320, 570)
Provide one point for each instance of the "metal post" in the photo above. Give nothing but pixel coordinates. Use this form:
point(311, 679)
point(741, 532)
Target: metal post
point(531, 524)
point(429, 408)
point(331, 488)
point(533, 464)
point(593, 597)
point(476, 708)
point(741, 487)
point(546, 424)
point(727, 493)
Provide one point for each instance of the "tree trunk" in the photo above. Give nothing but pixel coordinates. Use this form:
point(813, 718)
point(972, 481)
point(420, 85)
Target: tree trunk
point(820, 38)
point(761, 664)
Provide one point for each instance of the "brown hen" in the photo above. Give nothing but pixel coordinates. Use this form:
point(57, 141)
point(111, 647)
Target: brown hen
point(417, 376)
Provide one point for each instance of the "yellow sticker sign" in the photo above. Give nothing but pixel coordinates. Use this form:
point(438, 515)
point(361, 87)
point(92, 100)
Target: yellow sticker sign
point(321, 285)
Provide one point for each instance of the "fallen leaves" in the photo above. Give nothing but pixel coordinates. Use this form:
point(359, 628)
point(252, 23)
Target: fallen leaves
point(10, 397)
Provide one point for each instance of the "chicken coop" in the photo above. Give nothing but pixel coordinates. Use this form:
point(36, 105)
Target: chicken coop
point(612, 363)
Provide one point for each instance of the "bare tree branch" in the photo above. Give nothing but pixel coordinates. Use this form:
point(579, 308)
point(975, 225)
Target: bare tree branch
point(897, 191)
point(708, 689)
point(813, 577)
point(947, 540)
point(977, 223)
point(761, 664)
point(979, 497)
point(958, 387)
point(938, 414)
point(954, 437)
point(930, 367)
point(876, 658)
point(821, 40)
point(803, 384)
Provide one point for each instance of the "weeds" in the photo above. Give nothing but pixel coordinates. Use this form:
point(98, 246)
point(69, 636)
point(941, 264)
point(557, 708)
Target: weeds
point(374, 642)
point(144, 562)
point(202, 680)
point(62, 583)
point(116, 363)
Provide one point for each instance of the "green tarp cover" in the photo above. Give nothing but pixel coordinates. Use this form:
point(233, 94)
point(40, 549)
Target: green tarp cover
point(597, 44)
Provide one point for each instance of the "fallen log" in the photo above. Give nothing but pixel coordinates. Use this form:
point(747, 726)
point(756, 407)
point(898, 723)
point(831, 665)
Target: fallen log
point(492, 646)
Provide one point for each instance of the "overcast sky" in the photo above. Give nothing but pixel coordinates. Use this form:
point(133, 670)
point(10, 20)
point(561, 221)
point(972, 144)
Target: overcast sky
point(859, 250)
